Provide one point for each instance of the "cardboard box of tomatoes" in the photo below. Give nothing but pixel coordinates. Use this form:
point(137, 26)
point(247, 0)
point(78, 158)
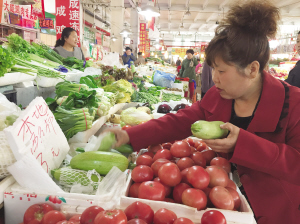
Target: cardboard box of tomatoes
point(155, 182)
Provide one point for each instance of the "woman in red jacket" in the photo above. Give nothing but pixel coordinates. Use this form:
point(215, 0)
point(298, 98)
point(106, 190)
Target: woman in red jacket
point(262, 115)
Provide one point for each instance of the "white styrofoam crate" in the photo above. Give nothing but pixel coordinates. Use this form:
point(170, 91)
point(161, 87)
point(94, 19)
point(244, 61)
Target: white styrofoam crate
point(43, 81)
point(245, 216)
point(4, 184)
point(15, 77)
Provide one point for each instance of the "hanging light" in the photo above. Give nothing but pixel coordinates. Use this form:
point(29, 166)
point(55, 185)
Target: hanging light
point(93, 28)
point(166, 55)
point(152, 53)
point(188, 13)
point(182, 26)
point(149, 10)
point(156, 56)
point(125, 32)
point(113, 38)
point(97, 10)
point(23, 2)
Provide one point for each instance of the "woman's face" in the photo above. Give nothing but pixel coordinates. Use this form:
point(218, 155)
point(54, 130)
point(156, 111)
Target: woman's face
point(72, 39)
point(298, 44)
point(230, 83)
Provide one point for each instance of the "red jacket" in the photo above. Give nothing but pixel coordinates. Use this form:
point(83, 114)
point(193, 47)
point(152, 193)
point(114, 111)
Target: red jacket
point(268, 162)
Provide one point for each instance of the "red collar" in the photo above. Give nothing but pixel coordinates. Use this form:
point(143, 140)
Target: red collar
point(267, 113)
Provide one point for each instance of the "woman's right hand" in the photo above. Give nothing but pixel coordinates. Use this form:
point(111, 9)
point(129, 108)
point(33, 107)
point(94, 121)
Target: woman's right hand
point(122, 137)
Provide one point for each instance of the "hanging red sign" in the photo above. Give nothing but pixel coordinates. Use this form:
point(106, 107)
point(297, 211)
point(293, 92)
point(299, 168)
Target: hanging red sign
point(67, 15)
point(37, 9)
point(46, 24)
point(143, 34)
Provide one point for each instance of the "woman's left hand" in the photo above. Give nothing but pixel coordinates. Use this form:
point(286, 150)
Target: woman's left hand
point(225, 145)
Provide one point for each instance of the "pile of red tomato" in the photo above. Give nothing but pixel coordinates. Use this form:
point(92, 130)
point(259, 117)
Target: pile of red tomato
point(136, 213)
point(185, 172)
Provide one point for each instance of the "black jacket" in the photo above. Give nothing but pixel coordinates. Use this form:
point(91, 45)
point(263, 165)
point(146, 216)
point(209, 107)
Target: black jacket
point(294, 76)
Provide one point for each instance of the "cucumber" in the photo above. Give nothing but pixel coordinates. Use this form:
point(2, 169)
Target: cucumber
point(52, 58)
point(59, 57)
point(127, 149)
point(102, 162)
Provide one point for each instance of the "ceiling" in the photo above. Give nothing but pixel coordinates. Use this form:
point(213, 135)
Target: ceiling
point(204, 16)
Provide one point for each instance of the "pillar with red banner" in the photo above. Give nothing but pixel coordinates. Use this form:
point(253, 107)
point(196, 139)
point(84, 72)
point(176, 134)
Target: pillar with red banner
point(142, 46)
point(67, 15)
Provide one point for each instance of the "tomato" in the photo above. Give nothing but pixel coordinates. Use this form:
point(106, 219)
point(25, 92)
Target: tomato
point(208, 155)
point(140, 210)
point(53, 217)
point(152, 190)
point(67, 222)
point(164, 216)
point(185, 162)
point(126, 127)
point(144, 160)
point(209, 203)
point(207, 191)
point(213, 217)
point(169, 200)
point(134, 190)
point(157, 164)
point(198, 177)
point(167, 188)
point(75, 219)
point(36, 212)
point(169, 174)
point(194, 198)
point(136, 221)
point(193, 149)
point(178, 190)
point(184, 176)
point(218, 176)
point(190, 141)
point(163, 154)
point(231, 184)
point(88, 216)
point(198, 159)
point(167, 145)
point(201, 146)
point(141, 174)
point(236, 198)
point(221, 162)
point(221, 198)
point(154, 148)
point(151, 154)
point(183, 221)
point(180, 149)
point(114, 216)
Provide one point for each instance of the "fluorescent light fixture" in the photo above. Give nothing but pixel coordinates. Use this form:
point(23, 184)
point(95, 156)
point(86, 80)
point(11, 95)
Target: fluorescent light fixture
point(149, 10)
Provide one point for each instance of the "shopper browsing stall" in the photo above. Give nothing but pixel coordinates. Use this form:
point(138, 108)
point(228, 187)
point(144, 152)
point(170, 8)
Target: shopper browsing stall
point(66, 46)
point(140, 60)
point(128, 57)
point(294, 75)
point(262, 114)
point(188, 70)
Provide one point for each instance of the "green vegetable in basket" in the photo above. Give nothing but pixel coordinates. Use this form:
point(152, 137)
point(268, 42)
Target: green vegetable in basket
point(107, 142)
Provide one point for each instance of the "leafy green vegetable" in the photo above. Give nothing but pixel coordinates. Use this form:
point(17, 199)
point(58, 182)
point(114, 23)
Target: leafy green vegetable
point(169, 96)
point(89, 81)
point(64, 88)
point(73, 121)
point(20, 46)
point(123, 89)
point(6, 61)
point(144, 97)
point(132, 116)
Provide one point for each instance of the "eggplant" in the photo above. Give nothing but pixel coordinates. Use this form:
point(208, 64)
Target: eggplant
point(179, 106)
point(164, 108)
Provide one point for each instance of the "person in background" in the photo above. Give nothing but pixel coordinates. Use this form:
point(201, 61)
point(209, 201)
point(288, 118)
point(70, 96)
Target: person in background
point(206, 79)
point(262, 115)
point(178, 69)
point(178, 62)
point(140, 60)
point(66, 46)
point(188, 70)
point(294, 75)
point(128, 57)
point(198, 67)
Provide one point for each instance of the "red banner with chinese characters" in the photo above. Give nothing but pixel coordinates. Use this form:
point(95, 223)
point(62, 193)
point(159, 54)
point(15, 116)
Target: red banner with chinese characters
point(46, 23)
point(38, 10)
point(67, 15)
point(22, 10)
point(142, 46)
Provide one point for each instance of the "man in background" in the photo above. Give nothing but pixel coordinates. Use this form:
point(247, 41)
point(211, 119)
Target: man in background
point(128, 57)
point(140, 60)
point(206, 79)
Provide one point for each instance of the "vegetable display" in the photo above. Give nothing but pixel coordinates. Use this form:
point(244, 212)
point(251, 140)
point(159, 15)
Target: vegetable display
point(169, 96)
point(133, 116)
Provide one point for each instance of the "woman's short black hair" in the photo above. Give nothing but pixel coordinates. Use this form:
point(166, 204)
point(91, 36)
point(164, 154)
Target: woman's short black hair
point(190, 51)
point(64, 35)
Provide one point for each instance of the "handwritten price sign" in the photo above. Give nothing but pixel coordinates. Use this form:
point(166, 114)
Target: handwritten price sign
point(37, 132)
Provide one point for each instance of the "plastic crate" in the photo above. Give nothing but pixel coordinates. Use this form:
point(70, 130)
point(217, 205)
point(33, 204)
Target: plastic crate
point(11, 96)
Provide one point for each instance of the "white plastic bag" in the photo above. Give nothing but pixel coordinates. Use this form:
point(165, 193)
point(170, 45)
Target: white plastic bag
point(7, 108)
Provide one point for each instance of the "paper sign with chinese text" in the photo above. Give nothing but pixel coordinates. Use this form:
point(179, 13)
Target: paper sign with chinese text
point(37, 132)
point(67, 15)
point(22, 10)
point(38, 10)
